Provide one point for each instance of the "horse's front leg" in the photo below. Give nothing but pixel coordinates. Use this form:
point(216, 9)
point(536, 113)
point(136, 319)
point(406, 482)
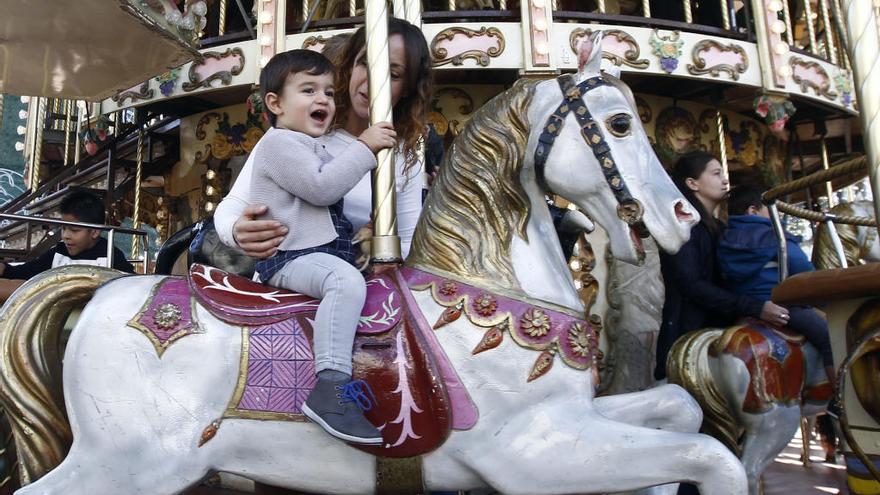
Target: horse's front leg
point(667, 407)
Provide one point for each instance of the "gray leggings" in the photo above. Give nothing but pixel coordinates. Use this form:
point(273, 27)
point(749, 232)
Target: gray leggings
point(342, 291)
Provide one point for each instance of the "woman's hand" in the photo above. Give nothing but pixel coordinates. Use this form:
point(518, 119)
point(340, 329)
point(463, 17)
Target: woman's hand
point(258, 238)
point(775, 314)
point(379, 137)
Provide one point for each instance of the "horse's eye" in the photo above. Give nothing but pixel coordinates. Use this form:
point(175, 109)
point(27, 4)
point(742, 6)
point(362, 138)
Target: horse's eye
point(619, 125)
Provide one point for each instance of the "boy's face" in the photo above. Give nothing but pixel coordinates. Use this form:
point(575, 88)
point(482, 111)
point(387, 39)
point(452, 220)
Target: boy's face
point(77, 239)
point(305, 103)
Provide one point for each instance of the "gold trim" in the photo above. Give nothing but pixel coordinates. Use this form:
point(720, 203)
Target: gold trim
point(823, 90)
point(143, 93)
point(630, 57)
point(699, 66)
point(440, 54)
point(232, 410)
point(225, 76)
point(148, 333)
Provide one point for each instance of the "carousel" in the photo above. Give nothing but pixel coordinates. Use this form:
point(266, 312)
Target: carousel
point(502, 361)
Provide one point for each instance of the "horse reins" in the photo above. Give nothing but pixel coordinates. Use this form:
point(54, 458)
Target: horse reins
point(629, 209)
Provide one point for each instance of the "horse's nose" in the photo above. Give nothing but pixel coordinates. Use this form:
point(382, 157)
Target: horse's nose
point(683, 212)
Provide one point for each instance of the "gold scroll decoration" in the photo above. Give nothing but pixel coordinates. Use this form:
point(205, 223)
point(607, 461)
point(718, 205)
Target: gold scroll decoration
point(196, 81)
point(630, 57)
point(482, 57)
point(699, 67)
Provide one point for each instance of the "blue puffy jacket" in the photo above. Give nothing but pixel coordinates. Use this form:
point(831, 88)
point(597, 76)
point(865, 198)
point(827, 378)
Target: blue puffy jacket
point(747, 256)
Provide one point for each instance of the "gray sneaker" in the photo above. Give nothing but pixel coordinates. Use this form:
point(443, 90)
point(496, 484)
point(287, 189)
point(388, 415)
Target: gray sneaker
point(338, 407)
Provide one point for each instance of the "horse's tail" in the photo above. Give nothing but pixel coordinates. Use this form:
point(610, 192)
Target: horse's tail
point(688, 366)
point(31, 324)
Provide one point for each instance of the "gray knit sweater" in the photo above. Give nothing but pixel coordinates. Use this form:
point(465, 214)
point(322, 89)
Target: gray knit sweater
point(297, 179)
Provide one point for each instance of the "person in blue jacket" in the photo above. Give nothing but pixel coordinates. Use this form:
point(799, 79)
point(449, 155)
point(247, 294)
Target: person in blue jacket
point(748, 258)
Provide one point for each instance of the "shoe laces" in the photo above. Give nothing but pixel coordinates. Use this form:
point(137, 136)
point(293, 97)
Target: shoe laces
point(357, 392)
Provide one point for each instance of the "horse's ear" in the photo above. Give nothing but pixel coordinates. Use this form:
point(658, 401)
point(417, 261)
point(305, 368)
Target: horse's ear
point(590, 56)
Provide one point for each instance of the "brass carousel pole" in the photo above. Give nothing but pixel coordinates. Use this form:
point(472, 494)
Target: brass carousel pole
point(135, 216)
point(385, 245)
point(864, 43)
point(37, 155)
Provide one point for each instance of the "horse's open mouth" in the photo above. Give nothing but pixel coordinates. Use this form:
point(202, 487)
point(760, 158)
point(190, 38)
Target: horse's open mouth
point(637, 242)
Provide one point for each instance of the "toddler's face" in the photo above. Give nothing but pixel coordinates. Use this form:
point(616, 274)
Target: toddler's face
point(306, 103)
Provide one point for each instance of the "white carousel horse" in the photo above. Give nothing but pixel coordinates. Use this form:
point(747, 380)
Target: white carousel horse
point(137, 417)
point(860, 243)
point(754, 384)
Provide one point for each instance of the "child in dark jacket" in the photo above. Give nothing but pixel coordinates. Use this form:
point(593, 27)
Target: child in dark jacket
point(748, 258)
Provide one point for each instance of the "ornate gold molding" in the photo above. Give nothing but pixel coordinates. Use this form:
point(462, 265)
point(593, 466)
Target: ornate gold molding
point(143, 92)
point(699, 66)
point(441, 55)
point(630, 57)
point(821, 90)
point(313, 41)
point(225, 76)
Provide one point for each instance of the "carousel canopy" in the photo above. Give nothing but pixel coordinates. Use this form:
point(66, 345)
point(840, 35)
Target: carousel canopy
point(89, 49)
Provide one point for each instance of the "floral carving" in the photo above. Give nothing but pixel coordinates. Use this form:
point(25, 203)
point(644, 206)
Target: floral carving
point(441, 56)
point(485, 305)
point(667, 49)
point(449, 288)
point(774, 110)
point(844, 86)
point(229, 139)
point(740, 60)
point(629, 57)
point(535, 322)
point(581, 339)
point(167, 315)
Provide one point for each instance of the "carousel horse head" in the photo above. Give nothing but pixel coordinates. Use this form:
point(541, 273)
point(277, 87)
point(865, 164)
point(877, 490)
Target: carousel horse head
point(578, 137)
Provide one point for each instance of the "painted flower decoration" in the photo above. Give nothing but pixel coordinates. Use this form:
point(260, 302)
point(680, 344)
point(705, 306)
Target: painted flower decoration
point(167, 315)
point(485, 305)
point(220, 146)
point(449, 288)
point(167, 81)
point(251, 137)
point(535, 322)
point(775, 111)
point(581, 339)
point(667, 49)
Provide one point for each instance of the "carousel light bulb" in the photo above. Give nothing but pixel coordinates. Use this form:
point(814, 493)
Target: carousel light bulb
point(25, 99)
point(209, 207)
point(542, 48)
point(578, 285)
point(266, 17)
point(21, 130)
point(784, 71)
point(19, 146)
point(575, 265)
point(541, 24)
point(572, 206)
point(210, 174)
point(210, 190)
point(774, 6)
point(266, 40)
point(778, 26)
point(781, 48)
point(538, 3)
point(22, 114)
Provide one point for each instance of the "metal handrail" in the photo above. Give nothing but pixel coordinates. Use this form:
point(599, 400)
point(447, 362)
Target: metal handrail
point(775, 205)
point(110, 229)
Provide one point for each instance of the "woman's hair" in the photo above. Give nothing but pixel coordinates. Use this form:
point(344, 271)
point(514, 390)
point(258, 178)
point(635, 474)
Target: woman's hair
point(692, 165)
point(410, 113)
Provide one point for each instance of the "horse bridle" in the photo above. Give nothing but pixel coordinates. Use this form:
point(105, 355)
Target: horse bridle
point(629, 209)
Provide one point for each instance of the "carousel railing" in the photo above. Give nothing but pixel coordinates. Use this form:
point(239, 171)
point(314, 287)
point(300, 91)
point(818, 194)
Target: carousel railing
point(111, 230)
point(775, 205)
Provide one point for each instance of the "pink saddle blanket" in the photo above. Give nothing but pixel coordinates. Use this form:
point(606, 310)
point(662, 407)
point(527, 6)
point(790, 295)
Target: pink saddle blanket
point(240, 301)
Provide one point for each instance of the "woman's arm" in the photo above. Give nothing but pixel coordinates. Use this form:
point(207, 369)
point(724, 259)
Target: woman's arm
point(236, 219)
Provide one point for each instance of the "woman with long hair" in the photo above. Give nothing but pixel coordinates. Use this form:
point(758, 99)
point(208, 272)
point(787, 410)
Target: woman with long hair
point(694, 295)
point(237, 219)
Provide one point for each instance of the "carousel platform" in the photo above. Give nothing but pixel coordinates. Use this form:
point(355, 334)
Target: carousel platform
point(787, 474)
